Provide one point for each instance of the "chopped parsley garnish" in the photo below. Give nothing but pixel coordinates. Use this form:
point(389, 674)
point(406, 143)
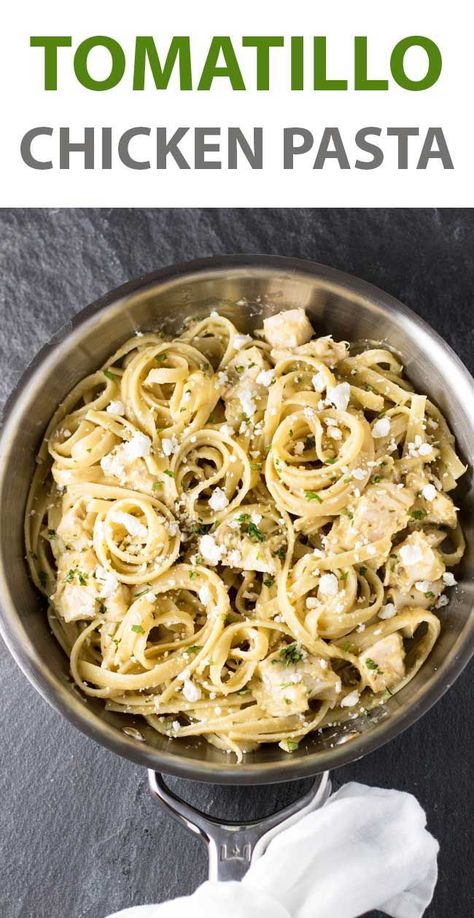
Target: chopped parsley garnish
point(417, 514)
point(138, 629)
point(157, 485)
point(43, 578)
point(193, 575)
point(280, 553)
point(239, 369)
point(289, 655)
point(51, 533)
point(309, 443)
point(110, 375)
point(290, 745)
point(255, 466)
point(350, 516)
point(370, 664)
point(193, 649)
point(201, 528)
point(376, 479)
point(329, 461)
point(269, 581)
point(101, 607)
point(346, 646)
point(362, 570)
point(75, 572)
point(312, 495)
point(169, 473)
point(255, 534)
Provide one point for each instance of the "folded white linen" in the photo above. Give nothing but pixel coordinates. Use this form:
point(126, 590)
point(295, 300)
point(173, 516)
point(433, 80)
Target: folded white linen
point(366, 848)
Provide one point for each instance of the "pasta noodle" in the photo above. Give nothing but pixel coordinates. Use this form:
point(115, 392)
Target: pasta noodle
point(245, 538)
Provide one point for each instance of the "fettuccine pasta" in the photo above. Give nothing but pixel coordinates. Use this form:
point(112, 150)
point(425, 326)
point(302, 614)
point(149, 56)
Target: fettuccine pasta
point(245, 538)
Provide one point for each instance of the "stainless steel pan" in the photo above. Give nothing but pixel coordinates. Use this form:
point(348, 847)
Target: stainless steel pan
point(250, 287)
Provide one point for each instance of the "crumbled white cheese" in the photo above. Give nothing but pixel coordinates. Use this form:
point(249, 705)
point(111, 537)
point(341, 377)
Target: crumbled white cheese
point(425, 449)
point(234, 558)
point(312, 602)
point(381, 428)
point(209, 549)
point(319, 381)
point(256, 518)
point(169, 445)
point(388, 610)
point(411, 554)
point(335, 433)
point(423, 586)
point(191, 691)
point(265, 377)
point(108, 580)
point(218, 500)
point(350, 700)
point(248, 404)
point(359, 474)
point(339, 395)
point(442, 601)
point(429, 492)
point(449, 579)
point(328, 585)
point(116, 407)
point(139, 445)
point(240, 340)
point(130, 523)
point(308, 412)
point(204, 594)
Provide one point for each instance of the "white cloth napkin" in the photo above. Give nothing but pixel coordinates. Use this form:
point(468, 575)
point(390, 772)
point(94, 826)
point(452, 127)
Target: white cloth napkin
point(366, 848)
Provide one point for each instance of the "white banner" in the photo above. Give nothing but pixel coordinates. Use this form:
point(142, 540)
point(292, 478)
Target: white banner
point(79, 129)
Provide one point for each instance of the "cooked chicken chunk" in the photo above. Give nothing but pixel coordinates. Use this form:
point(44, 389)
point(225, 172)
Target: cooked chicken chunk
point(72, 528)
point(380, 512)
point(247, 555)
point(283, 687)
point(244, 394)
point(436, 505)
point(416, 561)
point(84, 589)
point(131, 472)
point(382, 664)
point(324, 349)
point(288, 329)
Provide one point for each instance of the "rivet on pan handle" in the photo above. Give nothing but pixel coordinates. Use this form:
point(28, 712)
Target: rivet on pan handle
point(232, 845)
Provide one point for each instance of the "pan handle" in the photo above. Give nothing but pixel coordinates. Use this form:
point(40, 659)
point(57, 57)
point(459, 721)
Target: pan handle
point(232, 845)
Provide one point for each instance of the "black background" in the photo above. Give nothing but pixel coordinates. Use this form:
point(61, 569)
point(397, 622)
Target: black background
point(80, 836)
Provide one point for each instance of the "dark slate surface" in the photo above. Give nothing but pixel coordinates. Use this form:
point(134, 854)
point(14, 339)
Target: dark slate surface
point(80, 836)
